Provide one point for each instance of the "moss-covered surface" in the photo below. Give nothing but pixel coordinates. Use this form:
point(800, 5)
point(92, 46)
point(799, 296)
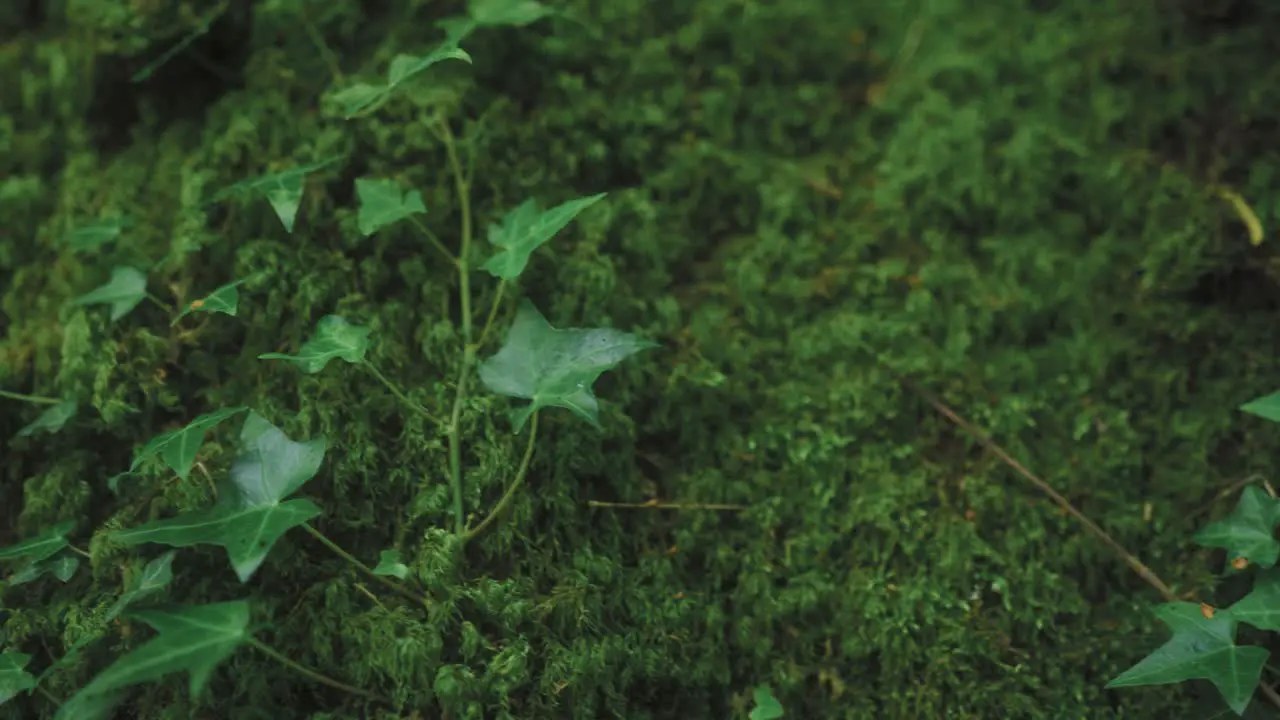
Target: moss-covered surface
point(1014, 205)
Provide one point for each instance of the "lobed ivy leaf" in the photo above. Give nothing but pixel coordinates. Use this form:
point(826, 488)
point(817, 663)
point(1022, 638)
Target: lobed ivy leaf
point(383, 203)
point(13, 675)
point(389, 564)
point(62, 567)
point(767, 706)
point(555, 368)
point(1266, 407)
point(283, 189)
point(192, 638)
point(334, 338)
point(42, 546)
point(222, 300)
point(524, 229)
point(154, 577)
point(52, 419)
point(1202, 648)
point(365, 98)
point(94, 235)
point(126, 288)
point(178, 448)
point(1249, 531)
point(253, 514)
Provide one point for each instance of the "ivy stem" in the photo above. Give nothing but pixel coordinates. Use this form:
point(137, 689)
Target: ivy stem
point(313, 675)
point(493, 312)
point(386, 582)
point(416, 407)
point(468, 351)
point(505, 501)
point(37, 399)
point(435, 239)
point(160, 303)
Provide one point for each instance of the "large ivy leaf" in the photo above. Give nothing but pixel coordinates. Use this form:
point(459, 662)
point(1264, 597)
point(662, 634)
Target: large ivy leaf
point(42, 546)
point(192, 638)
point(178, 448)
point(52, 419)
point(383, 203)
point(1267, 407)
point(1202, 648)
point(1249, 531)
point(524, 229)
point(13, 675)
point(334, 338)
point(224, 300)
point(94, 235)
point(253, 514)
point(555, 367)
point(126, 288)
point(62, 567)
point(364, 98)
point(154, 577)
point(283, 189)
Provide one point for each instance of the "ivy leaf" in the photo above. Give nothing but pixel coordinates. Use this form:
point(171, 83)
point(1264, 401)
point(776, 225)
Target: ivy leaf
point(767, 706)
point(178, 448)
point(1202, 648)
point(51, 420)
point(524, 229)
point(364, 98)
point(42, 546)
point(555, 368)
point(1266, 407)
point(126, 288)
point(516, 13)
point(383, 203)
point(222, 300)
point(334, 338)
point(253, 514)
point(94, 235)
point(193, 638)
point(62, 567)
point(1249, 531)
point(154, 577)
point(389, 564)
point(283, 189)
point(13, 675)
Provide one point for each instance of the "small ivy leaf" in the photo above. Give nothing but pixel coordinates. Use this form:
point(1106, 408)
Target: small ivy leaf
point(126, 288)
point(253, 514)
point(192, 638)
point(283, 189)
point(524, 230)
point(62, 567)
point(516, 13)
point(456, 29)
point(555, 368)
point(767, 706)
point(94, 235)
point(13, 675)
point(41, 547)
point(178, 448)
point(1249, 531)
point(1202, 648)
point(389, 564)
point(364, 98)
point(154, 577)
point(334, 338)
point(383, 203)
point(1266, 407)
point(222, 300)
point(51, 420)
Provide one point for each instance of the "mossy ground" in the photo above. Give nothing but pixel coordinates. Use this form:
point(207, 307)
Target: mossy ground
point(1012, 204)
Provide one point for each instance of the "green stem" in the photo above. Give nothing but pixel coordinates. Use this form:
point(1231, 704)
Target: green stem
point(468, 352)
point(386, 582)
point(313, 675)
point(505, 501)
point(160, 303)
point(37, 399)
point(435, 239)
point(416, 407)
point(493, 312)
